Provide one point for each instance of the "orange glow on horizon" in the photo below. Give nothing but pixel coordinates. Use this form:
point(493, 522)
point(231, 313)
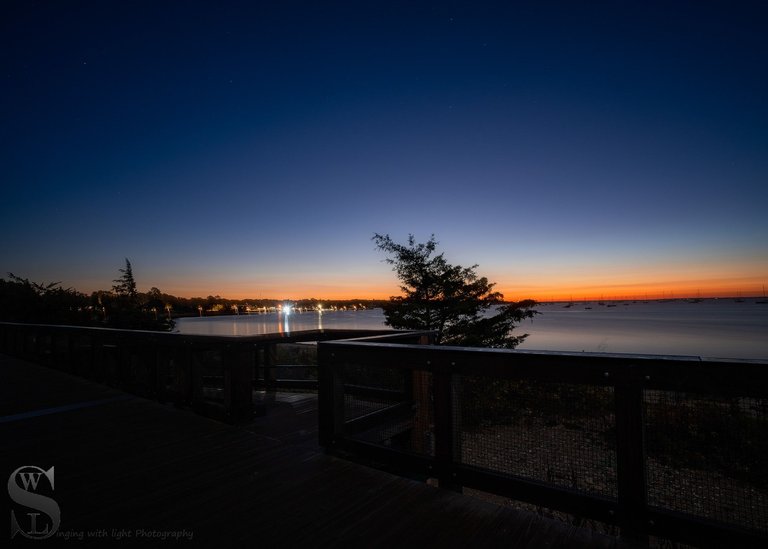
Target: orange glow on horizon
point(638, 291)
point(564, 292)
point(550, 278)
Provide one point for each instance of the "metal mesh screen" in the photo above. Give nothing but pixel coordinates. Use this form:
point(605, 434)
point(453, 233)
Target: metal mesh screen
point(304, 354)
point(367, 389)
point(167, 372)
point(211, 363)
point(708, 456)
point(357, 404)
point(295, 371)
point(558, 433)
point(108, 363)
point(141, 370)
point(390, 407)
point(82, 355)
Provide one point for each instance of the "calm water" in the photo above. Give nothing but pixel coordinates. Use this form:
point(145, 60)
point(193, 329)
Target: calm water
point(713, 328)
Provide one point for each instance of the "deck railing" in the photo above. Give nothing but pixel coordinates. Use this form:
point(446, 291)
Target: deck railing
point(667, 447)
point(672, 447)
point(213, 375)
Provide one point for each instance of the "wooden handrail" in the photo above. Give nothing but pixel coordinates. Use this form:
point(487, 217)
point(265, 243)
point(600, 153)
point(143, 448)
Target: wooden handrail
point(630, 379)
point(171, 367)
point(167, 366)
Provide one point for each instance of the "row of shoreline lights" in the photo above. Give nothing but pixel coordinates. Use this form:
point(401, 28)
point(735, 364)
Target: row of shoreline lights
point(285, 308)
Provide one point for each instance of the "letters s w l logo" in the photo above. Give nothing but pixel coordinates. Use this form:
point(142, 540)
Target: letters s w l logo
point(23, 485)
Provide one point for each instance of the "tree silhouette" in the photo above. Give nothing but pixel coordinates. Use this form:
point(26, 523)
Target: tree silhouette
point(125, 286)
point(124, 308)
point(452, 300)
point(22, 300)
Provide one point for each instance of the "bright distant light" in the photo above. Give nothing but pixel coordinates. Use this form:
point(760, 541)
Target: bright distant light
point(287, 309)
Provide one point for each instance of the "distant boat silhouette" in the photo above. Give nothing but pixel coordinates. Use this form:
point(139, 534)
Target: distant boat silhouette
point(696, 299)
point(764, 300)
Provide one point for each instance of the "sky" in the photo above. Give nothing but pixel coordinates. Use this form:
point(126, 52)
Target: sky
point(252, 149)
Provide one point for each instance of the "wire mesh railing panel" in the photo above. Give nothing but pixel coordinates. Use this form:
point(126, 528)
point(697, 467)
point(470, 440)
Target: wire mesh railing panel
point(358, 405)
point(296, 354)
point(390, 407)
point(295, 372)
point(211, 367)
point(141, 364)
point(61, 347)
point(558, 433)
point(377, 377)
point(708, 456)
point(368, 389)
point(167, 371)
point(81, 356)
point(295, 362)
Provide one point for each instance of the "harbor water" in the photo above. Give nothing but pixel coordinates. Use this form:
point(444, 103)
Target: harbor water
point(721, 328)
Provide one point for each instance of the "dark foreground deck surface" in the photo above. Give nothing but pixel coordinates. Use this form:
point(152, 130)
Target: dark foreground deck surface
point(128, 465)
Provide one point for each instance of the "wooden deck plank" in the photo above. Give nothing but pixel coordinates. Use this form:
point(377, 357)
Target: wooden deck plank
point(136, 464)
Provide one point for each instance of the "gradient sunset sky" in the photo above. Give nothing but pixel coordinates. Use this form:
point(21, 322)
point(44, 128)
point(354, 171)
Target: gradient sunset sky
point(252, 149)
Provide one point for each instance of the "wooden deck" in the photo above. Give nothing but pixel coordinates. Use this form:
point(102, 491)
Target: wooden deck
point(128, 465)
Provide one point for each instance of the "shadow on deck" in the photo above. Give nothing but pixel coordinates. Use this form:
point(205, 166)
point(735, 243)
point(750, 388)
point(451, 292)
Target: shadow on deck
point(151, 473)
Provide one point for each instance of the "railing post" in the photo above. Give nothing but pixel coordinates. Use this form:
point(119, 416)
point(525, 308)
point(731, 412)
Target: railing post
point(36, 346)
point(330, 396)
point(238, 394)
point(419, 388)
point(186, 370)
point(193, 372)
point(96, 368)
point(153, 370)
point(270, 359)
point(257, 364)
point(43, 348)
point(70, 352)
point(630, 458)
point(163, 360)
point(259, 405)
point(124, 359)
point(51, 349)
point(445, 432)
point(422, 435)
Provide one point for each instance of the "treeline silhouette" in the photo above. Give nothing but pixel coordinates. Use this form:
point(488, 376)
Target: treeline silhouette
point(22, 300)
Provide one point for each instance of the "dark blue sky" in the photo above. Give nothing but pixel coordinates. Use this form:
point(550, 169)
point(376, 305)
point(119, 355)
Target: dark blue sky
point(252, 149)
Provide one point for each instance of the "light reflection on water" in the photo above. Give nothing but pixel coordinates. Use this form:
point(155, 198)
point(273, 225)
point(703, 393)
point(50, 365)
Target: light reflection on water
point(272, 323)
point(712, 328)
